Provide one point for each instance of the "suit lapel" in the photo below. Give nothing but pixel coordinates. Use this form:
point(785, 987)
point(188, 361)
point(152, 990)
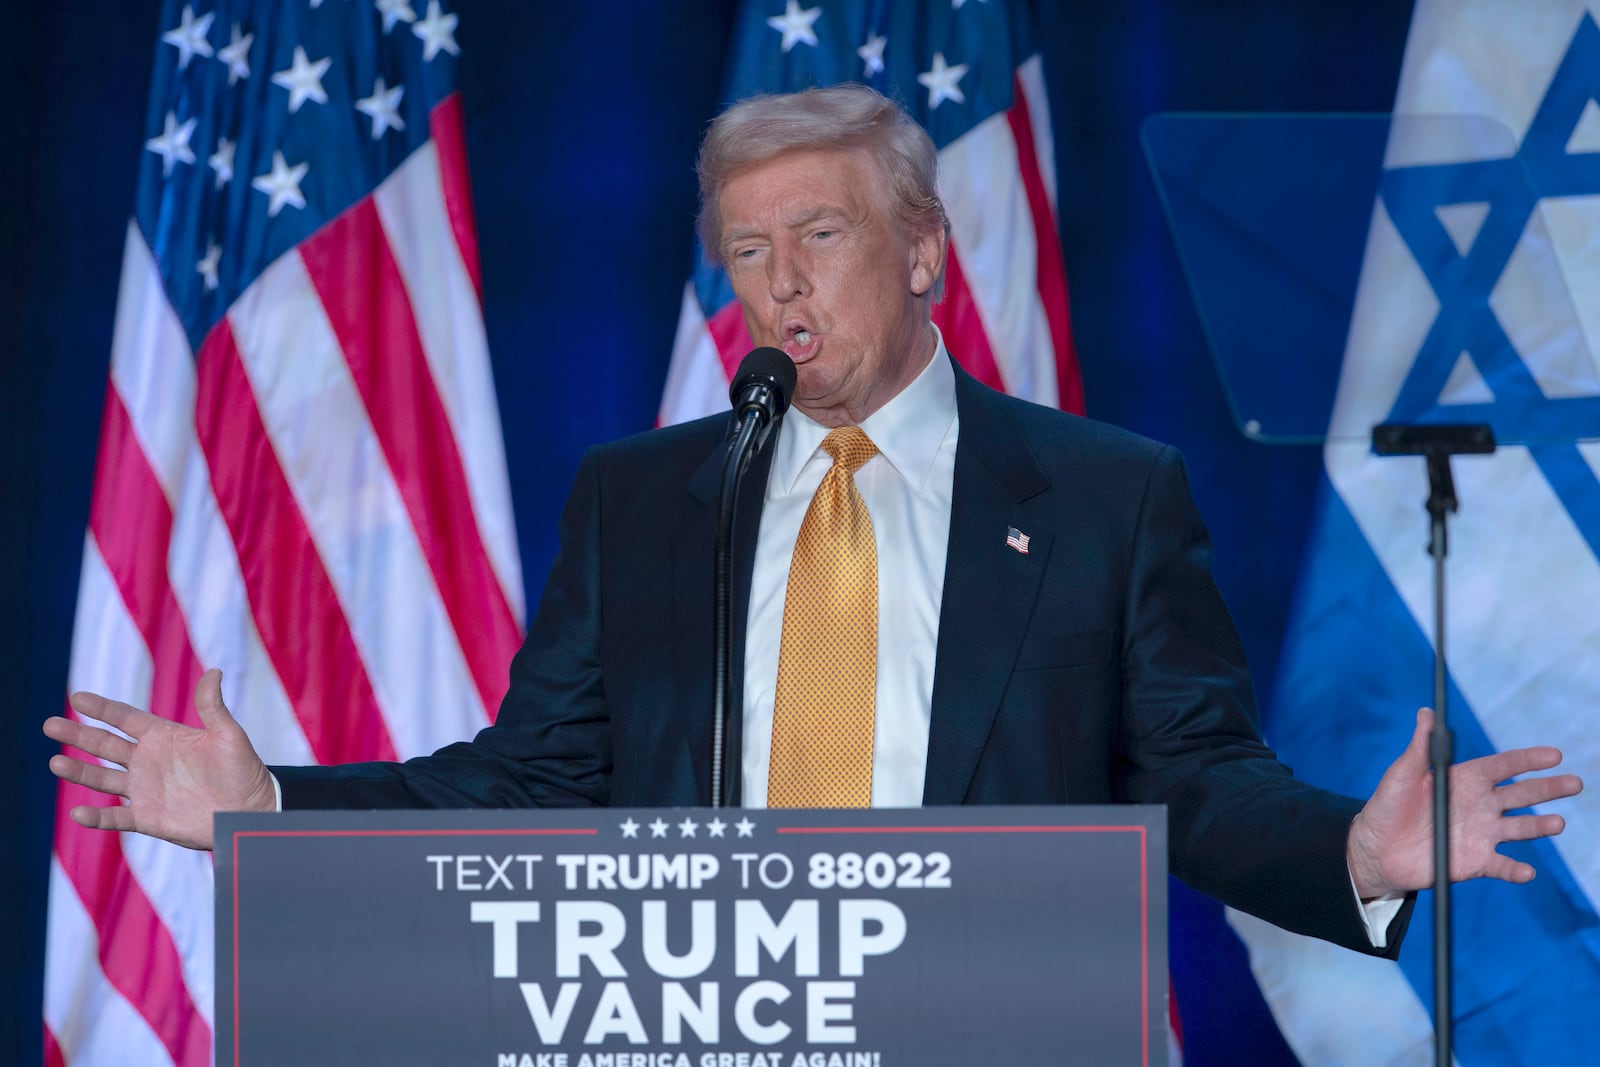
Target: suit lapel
point(694, 577)
point(989, 587)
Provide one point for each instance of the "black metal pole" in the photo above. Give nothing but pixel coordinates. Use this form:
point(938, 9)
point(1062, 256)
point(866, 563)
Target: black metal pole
point(760, 394)
point(739, 452)
point(1437, 443)
point(1441, 753)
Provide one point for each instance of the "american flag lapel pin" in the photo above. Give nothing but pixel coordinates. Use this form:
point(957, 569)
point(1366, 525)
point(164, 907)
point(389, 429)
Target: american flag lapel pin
point(1016, 539)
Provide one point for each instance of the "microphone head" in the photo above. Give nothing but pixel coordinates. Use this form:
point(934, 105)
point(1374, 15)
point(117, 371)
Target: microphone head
point(768, 368)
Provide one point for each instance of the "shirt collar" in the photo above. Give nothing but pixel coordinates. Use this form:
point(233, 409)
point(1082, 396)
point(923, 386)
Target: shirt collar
point(908, 430)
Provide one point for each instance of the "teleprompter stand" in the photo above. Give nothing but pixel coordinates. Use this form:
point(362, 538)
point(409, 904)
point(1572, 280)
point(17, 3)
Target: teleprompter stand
point(1437, 443)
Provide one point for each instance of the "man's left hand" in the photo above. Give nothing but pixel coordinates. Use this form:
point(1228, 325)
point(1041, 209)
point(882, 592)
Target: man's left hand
point(1390, 848)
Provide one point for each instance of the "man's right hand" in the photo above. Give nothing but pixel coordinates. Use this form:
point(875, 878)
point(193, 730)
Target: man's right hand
point(173, 777)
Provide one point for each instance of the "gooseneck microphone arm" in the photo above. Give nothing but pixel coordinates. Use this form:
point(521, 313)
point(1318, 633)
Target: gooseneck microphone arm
point(760, 395)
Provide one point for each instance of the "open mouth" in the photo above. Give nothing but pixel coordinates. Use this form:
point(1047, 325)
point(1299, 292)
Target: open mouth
point(800, 345)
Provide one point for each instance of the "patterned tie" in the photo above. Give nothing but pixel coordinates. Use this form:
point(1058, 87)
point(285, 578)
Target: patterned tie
point(828, 657)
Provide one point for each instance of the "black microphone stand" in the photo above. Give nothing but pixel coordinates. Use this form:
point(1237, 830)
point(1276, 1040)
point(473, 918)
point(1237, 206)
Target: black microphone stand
point(760, 394)
point(1438, 443)
point(739, 453)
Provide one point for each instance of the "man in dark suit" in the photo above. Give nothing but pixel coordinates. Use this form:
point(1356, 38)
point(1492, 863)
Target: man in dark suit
point(1043, 629)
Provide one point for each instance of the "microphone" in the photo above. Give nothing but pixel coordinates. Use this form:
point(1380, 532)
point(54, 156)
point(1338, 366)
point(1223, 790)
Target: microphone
point(760, 394)
point(762, 388)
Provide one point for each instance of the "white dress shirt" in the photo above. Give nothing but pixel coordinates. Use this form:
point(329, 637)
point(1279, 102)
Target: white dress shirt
point(907, 488)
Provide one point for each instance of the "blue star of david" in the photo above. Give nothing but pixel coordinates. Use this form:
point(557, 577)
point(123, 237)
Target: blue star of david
point(1512, 186)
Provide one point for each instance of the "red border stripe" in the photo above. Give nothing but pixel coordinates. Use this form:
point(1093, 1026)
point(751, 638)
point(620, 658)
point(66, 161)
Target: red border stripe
point(1144, 945)
point(961, 829)
point(358, 281)
point(302, 625)
point(446, 124)
point(957, 318)
point(1052, 271)
point(582, 831)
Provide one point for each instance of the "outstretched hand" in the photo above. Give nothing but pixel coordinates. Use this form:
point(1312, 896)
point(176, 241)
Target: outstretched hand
point(1390, 848)
point(173, 778)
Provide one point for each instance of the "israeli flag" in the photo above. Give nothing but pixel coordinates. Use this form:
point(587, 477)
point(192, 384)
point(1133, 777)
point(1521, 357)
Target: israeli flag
point(1479, 301)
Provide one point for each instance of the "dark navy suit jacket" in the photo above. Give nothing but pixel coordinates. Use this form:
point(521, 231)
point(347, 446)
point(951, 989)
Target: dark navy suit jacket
point(1099, 667)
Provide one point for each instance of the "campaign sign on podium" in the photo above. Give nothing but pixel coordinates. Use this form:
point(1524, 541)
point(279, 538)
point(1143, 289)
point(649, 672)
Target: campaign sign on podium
point(693, 937)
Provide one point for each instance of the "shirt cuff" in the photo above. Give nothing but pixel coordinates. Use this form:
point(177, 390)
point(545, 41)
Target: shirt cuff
point(277, 799)
point(1377, 914)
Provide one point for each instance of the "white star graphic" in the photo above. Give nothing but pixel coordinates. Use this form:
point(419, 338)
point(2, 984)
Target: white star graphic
point(687, 827)
point(222, 161)
point(745, 827)
point(942, 82)
point(208, 266)
point(795, 25)
point(173, 143)
point(303, 79)
point(236, 55)
point(658, 829)
point(630, 828)
point(437, 31)
point(715, 827)
point(382, 107)
point(395, 11)
point(282, 185)
point(190, 36)
point(871, 54)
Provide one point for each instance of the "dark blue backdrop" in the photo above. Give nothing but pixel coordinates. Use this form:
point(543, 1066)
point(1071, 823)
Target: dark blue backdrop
point(582, 124)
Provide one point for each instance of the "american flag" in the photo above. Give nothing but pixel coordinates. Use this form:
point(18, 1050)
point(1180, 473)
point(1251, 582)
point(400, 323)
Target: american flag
point(301, 477)
point(968, 73)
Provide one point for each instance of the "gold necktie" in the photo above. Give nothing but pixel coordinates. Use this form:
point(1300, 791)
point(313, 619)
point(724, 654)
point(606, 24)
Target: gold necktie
point(828, 656)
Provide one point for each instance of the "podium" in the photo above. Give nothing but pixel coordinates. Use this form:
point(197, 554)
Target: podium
point(693, 937)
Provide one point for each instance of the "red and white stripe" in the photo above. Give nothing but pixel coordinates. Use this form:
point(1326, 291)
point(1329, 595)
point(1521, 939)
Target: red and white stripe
point(317, 503)
point(1004, 314)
